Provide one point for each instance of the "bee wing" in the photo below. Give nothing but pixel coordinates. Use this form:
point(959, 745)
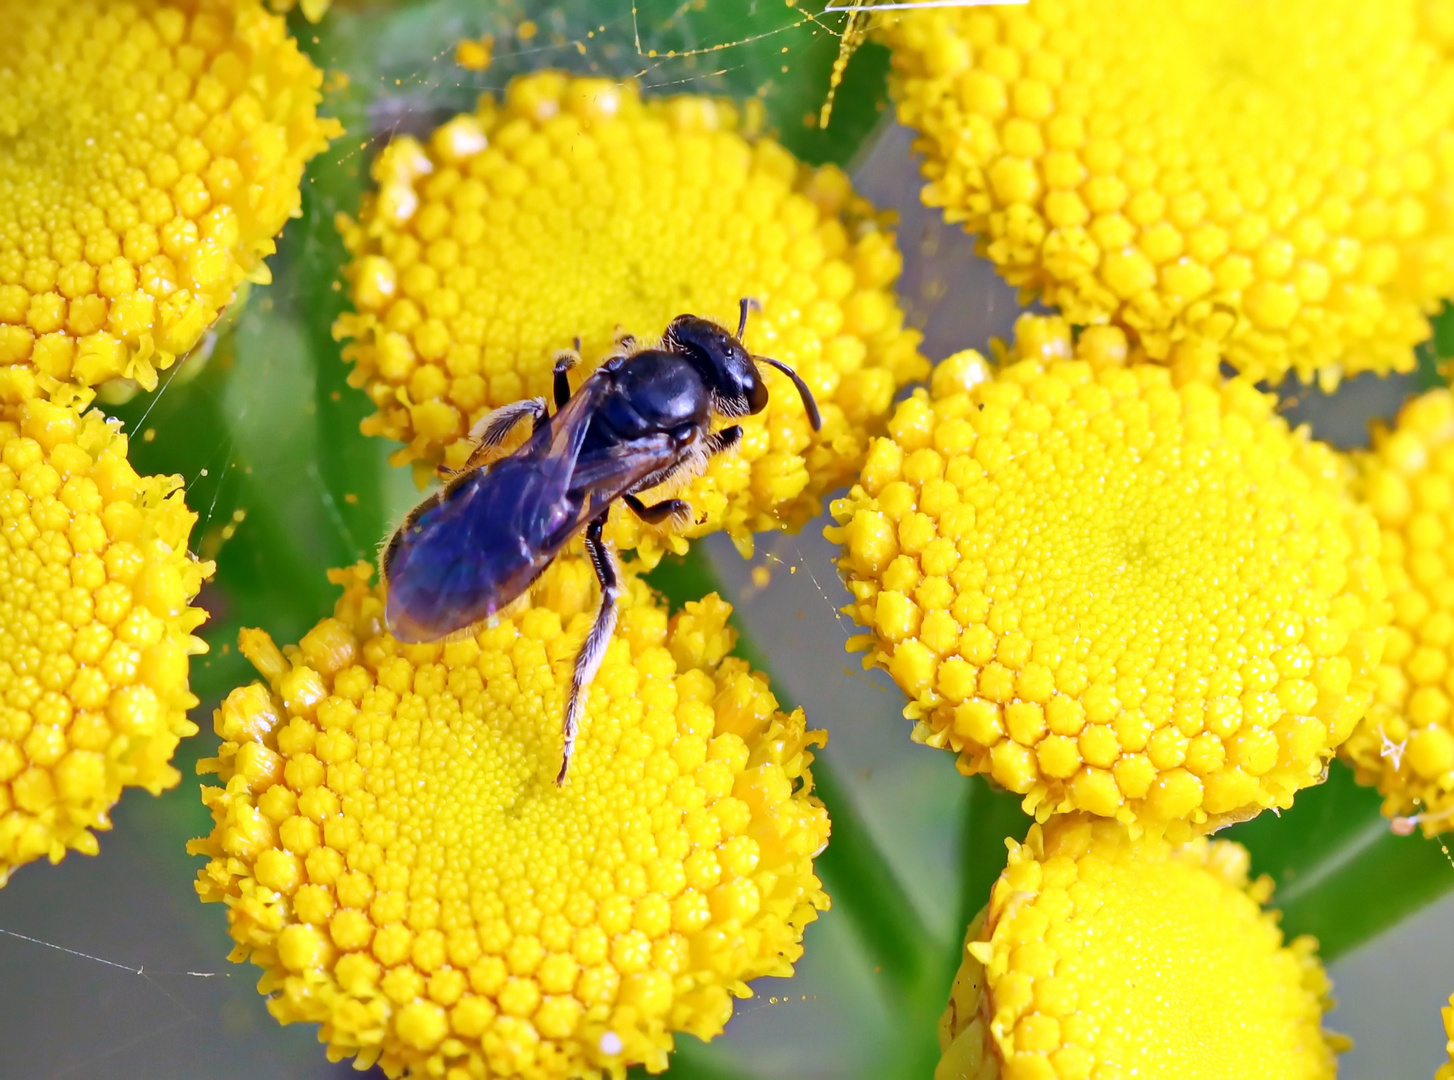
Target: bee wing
point(604, 476)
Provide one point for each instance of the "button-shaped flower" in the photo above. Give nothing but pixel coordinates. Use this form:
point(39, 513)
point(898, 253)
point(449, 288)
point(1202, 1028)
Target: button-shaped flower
point(1405, 746)
point(395, 852)
point(149, 154)
point(1265, 180)
point(95, 629)
point(1110, 593)
point(577, 209)
point(1100, 955)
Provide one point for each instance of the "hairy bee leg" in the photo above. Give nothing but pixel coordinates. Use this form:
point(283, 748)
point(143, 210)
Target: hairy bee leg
point(564, 361)
point(588, 660)
point(494, 428)
point(720, 442)
point(655, 515)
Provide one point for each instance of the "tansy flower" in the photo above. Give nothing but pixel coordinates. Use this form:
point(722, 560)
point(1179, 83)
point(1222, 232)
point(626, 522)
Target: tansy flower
point(1112, 594)
point(396, 855)
point(149, 153)
point(1100, 955)
point(95, 630)
point(1405, 745)
point(1267, 183)
point(577, 209)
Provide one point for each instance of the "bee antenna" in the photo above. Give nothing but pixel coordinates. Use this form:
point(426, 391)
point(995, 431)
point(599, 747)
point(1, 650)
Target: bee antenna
point(809, 405)
point(743, 304)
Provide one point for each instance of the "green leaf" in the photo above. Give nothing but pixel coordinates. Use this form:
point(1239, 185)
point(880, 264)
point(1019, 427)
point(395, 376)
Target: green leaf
point(1341, 873)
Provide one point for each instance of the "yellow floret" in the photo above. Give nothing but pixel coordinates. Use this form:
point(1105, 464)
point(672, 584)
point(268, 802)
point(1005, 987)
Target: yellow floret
point(1405, 746)
point(396, 855)
point(149, 153)
point(312, 10)
point(1268, 180)
point(1104, 956)
point(577, 209)
point(95, 629)
point(475, 54)
point(1112, 594)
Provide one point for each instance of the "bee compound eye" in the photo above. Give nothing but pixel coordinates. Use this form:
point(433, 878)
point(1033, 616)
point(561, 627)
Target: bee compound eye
point(756, 392)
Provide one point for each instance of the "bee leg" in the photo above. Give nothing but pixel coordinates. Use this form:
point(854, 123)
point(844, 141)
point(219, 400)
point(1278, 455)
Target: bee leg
point(721, 441)
point(655, 515)
point(494, 427)
point(564, 361)
point(588, 661)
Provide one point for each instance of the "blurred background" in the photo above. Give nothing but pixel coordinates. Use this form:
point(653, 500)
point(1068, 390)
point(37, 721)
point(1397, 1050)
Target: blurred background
point(111, 968)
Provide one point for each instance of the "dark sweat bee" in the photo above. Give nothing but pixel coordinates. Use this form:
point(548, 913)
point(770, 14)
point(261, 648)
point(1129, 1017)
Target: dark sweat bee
point(642, 418)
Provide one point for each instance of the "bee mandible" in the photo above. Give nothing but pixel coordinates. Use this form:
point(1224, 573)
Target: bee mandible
point(644, 417)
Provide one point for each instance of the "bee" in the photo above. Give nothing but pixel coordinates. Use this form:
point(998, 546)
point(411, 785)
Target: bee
point(641, 419)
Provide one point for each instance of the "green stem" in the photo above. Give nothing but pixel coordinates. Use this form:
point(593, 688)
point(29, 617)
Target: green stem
point(991, 816)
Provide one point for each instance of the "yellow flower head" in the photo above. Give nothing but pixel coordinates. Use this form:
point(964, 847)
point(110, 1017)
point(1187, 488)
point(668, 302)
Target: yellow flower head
point(1405, 745)
point(577, 209)
point(1103, 956)
point(1267, 180)
point(395, 853)
point(1111, 594)
point(149, 153)
point(95, 629)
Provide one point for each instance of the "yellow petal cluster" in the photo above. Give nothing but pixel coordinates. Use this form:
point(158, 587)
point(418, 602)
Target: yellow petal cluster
point(395, 853)
point(574, 208)
point(1270, 181)
point(149, 153)
point(1112, 594)
point(1100, 955)
point(1405, 746)
point(95, 629)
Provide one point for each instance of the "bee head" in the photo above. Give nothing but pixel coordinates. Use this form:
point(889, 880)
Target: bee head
point(724, 362)
point(728, 368)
